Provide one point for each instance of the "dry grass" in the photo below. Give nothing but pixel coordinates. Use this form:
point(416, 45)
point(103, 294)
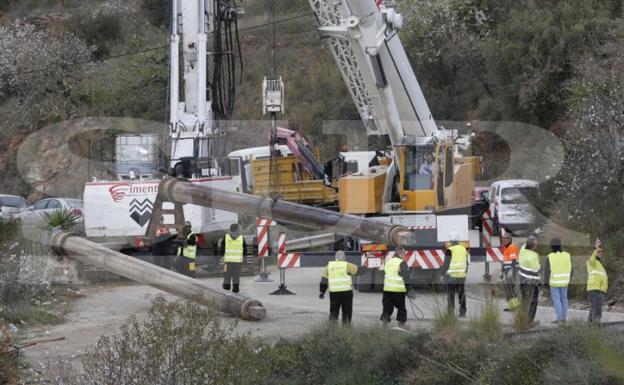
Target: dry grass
point(488, 323)
point(443, 319)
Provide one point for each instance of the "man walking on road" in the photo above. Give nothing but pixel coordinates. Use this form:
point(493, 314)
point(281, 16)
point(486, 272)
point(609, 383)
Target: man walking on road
point(337, 276)
point(510, 260)
point(597, 282)
point(557, 273)
point(233, 254)
point(529, 277)
point(456, 269)
point(394, 290)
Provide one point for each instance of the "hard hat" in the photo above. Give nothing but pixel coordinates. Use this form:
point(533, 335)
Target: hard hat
point(340, 255)
point(454, 236)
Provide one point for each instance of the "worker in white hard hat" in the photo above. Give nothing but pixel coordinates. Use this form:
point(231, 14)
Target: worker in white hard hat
point(455, 269)
point(337, 277)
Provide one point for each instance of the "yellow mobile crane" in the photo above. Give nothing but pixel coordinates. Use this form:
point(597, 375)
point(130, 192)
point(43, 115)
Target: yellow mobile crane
point(363, 38)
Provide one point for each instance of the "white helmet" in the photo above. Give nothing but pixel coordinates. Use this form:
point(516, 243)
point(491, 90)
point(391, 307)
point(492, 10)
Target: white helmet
point(454, 236)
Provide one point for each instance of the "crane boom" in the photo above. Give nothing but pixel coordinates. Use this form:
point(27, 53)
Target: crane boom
point(363, 38)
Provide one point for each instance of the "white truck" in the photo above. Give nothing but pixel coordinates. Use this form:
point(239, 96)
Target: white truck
point(117, 212)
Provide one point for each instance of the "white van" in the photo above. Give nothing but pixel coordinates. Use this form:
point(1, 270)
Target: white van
point(11, 205)
point(509, 205)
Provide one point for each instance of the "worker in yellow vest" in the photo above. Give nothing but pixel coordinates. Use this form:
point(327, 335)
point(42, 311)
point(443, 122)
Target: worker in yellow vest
point(557, 274)
point(233, 255)
point(337, 277)
point(455, 268)
point(187, 252)
point(597, 282)
point(529, 271)
point(394, 290)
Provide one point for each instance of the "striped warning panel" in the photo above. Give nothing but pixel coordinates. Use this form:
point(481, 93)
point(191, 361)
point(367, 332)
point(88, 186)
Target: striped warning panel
point(262, 226)
point(286, 260)
point(425, 259)
point(494, 254)
point(289, 260)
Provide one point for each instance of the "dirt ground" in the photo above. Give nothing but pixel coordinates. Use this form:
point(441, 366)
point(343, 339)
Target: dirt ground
point(105, 307)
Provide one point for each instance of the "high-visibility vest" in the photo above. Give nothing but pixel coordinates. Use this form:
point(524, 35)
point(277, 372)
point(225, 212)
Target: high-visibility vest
point(560, 269)
point(509, 256)
point(529, 264)
point(338, 277)
point(233, 249)
point(459, 262)
point(190, 251)
point(596, 275)
point(392, 279)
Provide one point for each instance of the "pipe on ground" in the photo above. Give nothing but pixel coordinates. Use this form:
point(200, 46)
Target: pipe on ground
point(175, 190)
point(76, 247)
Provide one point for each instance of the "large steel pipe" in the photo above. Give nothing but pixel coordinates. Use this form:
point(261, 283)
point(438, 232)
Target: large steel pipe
point(180, 191)
point(76, 247)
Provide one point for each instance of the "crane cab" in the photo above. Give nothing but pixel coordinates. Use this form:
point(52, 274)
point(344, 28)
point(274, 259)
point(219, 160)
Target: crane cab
point(432, 178)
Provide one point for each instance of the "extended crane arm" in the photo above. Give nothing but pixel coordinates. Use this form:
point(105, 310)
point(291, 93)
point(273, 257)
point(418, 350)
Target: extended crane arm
point(363, 38)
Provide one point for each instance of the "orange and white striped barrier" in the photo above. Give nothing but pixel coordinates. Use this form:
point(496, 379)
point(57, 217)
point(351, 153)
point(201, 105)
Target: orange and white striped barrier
point(286, 260)
point(493, 253)
point(262, 227)
point(417, 259)
point(425, 259)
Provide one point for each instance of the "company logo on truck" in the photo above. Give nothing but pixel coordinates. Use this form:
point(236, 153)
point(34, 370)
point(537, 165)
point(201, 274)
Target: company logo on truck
point(121, 190)
point(140, 211)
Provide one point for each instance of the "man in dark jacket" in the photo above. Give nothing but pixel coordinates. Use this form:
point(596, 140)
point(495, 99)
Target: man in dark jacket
point(162, 249)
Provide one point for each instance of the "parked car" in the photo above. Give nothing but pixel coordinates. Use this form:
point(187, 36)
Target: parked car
point(37, 212)
point(11, 205)
point(510, 207)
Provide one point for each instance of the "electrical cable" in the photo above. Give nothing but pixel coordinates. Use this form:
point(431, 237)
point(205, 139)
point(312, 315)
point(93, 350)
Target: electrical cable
point(227, 51)
point(147, 50)
point(415, 308)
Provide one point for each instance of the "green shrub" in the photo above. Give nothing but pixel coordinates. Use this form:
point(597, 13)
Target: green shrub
point(157, 12)
point(61, 218)
point(178, 343)
point(101, 30)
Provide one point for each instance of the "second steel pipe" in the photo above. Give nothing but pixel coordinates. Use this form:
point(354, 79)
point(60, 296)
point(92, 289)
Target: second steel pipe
point(180, 191)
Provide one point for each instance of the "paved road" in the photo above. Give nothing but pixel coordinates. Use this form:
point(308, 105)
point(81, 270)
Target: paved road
point(105, 307)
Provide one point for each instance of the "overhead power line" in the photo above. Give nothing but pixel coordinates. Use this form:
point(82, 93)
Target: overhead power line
point(147, 50)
